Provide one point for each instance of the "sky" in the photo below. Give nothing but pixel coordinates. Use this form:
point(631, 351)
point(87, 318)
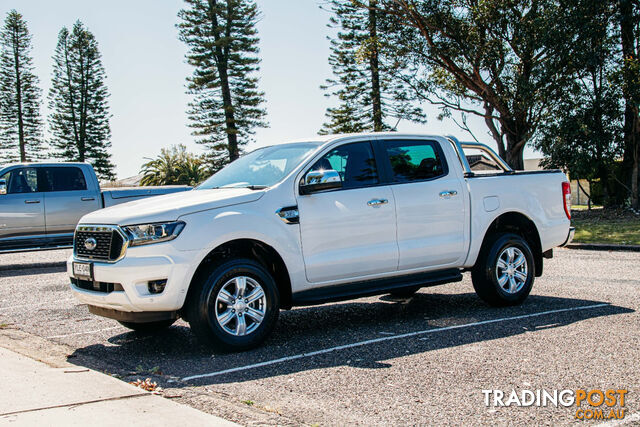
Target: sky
point(146, 71)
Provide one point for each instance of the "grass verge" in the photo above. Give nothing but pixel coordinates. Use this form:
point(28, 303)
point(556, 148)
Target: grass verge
point(611, 226)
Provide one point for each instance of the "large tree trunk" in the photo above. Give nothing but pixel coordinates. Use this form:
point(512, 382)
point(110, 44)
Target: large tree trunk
point(603, 176)
point(512, 130)
point(516, 141)
point(72, 104)
point(634, 180)
point(83, 107)
point(374, 67)
point(515, 159)
point(222, 64)
point(631, 156)
point(232, 131)
point(16, 57)
point(631, 114)
point(513, 151)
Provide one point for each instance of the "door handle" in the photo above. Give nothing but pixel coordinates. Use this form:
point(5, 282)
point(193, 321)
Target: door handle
point(87, 199)
point(377, 202)
point(448, 193)
point(29, 202)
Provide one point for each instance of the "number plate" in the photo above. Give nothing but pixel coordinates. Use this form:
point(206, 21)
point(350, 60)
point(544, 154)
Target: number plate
point(83, 270)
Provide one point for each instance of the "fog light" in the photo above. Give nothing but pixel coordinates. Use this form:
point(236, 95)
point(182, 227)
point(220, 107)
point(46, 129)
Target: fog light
point(157, 286)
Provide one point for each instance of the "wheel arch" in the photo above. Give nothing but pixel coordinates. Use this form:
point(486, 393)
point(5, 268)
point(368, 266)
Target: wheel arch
point(520, 224)
point(254, 249)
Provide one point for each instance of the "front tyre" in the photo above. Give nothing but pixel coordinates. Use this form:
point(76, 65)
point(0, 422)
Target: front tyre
point(235, 307)
point(505, 270)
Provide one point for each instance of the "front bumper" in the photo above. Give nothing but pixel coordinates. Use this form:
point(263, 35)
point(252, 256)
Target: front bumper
point(572, 232)
point(133, 272)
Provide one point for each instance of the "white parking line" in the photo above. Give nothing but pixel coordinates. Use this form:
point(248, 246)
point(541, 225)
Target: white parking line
point(382, 339)
point(10, 307)
point(85, 333)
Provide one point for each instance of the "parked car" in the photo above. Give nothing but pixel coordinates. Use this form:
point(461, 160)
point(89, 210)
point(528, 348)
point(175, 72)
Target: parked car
point(316, 221)
point(41, 203)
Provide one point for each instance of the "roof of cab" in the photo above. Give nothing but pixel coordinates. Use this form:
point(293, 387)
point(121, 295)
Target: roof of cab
point(334, 137)
point(44, 164)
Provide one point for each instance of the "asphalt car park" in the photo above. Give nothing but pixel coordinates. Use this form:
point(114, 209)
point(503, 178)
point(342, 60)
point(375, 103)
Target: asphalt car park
point(376, 360)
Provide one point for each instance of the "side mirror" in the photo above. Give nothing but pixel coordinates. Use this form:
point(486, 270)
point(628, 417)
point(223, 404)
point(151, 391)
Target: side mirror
point(3, 186)
point(319, 181)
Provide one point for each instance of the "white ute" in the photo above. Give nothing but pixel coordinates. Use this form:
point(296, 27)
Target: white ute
point(316, 221)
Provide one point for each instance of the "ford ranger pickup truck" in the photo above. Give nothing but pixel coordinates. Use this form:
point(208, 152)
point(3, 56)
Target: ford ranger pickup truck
point(41, 203)
point(303, 223)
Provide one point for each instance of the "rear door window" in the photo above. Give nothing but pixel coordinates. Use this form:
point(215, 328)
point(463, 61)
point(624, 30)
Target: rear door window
point(67, 178)
point(414, 160)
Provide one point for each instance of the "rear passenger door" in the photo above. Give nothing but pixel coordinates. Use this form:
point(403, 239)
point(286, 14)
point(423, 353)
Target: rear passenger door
point(430, 209)
point(67, 198)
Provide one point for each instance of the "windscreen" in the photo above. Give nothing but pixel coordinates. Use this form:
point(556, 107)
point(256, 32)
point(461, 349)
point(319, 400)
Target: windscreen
point(261, 168)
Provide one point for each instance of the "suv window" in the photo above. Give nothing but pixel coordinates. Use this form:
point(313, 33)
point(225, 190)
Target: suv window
point(63, 179)
point(354, 162)
point(414, 160)
point(21, 180)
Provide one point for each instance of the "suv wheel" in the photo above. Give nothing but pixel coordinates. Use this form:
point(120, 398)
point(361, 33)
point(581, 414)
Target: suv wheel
point(235, 307)
point(504, 272)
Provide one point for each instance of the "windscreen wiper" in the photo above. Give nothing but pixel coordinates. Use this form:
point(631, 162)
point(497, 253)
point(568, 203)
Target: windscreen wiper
point(250, 187)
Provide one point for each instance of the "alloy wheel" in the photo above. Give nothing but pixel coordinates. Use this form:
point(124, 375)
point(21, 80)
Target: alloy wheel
point(240, 306)
point(512, 270)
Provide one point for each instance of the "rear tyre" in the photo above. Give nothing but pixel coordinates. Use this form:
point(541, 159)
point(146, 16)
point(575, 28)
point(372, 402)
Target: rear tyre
point(505, 270)
point(235, 307)
point(148, 327)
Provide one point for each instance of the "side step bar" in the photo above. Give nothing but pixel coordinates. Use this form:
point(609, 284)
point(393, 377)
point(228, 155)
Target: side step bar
point(374, 287)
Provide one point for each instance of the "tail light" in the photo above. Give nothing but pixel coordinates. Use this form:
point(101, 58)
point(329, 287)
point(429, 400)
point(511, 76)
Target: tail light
point(566, 197)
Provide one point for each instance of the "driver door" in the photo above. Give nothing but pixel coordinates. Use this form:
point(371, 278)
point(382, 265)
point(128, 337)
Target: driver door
point(22, 207)
point(349, 232)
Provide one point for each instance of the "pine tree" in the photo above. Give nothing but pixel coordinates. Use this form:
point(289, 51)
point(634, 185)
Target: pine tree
point(223, 49)
point(20, 123)
point(78, 98)
point(365, 82)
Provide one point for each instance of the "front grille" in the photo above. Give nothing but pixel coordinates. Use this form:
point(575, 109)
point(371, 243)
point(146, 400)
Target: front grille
point(109, 243)
point(116, 245)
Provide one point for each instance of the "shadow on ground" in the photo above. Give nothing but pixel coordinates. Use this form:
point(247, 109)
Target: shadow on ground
point(32, 269)
point(176, 353)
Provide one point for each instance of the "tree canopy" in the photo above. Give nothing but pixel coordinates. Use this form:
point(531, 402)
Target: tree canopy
point(369, 97)
point(223, 49)
point(506, 62)
point(79, 121)
point(20, 122)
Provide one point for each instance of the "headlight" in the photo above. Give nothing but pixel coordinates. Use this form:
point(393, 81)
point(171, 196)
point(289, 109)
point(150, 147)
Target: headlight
point(144, 234)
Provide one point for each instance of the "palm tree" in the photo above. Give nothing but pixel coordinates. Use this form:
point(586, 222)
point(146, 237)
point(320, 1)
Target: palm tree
point(192, 170)
point(174, 166)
